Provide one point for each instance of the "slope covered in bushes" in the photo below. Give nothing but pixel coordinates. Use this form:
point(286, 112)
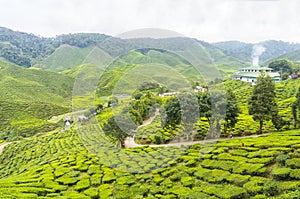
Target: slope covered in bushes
point(80, 164)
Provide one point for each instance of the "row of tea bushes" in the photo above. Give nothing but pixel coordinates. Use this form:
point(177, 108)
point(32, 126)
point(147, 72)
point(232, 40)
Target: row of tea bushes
point(83, 164)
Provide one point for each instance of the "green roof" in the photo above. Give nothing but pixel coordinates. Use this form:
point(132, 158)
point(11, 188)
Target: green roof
point(256, 68)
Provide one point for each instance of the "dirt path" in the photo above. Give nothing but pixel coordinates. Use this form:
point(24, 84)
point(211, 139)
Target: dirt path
point(4, 145)
point(178, 144)
point(130, 143)
point(149, 120)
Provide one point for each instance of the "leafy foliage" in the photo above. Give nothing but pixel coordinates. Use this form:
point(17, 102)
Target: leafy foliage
point(262, 103)
point(59, 165)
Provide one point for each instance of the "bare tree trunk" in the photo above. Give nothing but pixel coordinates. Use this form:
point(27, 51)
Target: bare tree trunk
point(261, 123)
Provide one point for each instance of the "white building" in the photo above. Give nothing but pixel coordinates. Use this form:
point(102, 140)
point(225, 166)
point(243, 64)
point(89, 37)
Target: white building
point(250, 74)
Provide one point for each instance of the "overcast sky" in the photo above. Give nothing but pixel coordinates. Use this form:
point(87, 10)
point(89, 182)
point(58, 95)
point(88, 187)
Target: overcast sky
point(208, 20)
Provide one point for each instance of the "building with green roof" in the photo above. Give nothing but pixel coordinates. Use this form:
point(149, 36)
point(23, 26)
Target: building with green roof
point(249, 74)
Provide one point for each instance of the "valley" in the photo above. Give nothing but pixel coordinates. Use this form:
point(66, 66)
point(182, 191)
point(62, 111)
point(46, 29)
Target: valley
point(147, 118)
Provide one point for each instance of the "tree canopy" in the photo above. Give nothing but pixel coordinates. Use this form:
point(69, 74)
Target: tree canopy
point(284, 65)
point(262, 104)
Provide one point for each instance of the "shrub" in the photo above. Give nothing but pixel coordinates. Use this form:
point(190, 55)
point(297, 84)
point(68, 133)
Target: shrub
point(290, 195)
point(202, 172)
point(226, 191)
point(281, 173)
point(59, 171)
point(265, 161)
point(96, 179)
point(75, 194)
point(67, 180)
point(270, 188)
point(289, 185)
point(295, 173)
point(105, 191)
point(282, 158)
point(157, 179)
point(238, 179)
point(82, 184)
point(254, 187)
point(109, 177)
point(126, 180)
point(294, 163)
point(187, 181)
point(54, 185)
point(91, 192)
point(181, 192)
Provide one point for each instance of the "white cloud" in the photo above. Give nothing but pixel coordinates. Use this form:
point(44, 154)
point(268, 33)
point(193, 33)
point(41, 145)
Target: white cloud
point(210, 20)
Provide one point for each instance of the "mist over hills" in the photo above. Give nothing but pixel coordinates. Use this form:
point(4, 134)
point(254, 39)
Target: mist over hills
point(66, 51)
point(243, 51)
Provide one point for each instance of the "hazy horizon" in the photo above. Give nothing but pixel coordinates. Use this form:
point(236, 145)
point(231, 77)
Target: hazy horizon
point(147, 37)
point(248, 21)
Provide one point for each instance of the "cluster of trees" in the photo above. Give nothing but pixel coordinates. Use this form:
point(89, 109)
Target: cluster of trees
point(220, 109)
point(285, 66)
point(216, 106)
point(263, 106)
point(122, 124)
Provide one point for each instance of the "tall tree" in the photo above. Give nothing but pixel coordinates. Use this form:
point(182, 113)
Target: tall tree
point(189, 112)
point(218, 111)
point(172, 115)
point(204, 101)
point(232, 110)
point(262, 104)
point(118, 129)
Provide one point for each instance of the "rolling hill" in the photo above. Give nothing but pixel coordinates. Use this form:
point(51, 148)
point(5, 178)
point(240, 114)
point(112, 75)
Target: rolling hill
point(67, 57)
point(29, 97)
point(292, 56)
point(84, 162)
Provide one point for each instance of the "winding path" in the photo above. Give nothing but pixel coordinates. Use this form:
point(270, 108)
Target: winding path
point(130, 142)
point(4, 145)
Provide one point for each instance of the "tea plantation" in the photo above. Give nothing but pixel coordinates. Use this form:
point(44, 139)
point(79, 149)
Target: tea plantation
point(83, 163)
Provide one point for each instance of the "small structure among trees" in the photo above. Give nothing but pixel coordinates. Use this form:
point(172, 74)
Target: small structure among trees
point(67, 123)
point(250, 74)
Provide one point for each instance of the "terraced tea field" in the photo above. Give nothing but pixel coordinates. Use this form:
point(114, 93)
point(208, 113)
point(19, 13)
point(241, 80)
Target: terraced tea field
point(82, 163)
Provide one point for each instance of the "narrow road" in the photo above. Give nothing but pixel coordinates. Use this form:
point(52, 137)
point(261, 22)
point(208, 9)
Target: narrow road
point(130, 143)
point(4, 145)
point(179, 144)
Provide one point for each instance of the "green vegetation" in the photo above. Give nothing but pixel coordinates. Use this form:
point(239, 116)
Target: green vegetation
point(67, 57)
point(282, 65)
point(29, 98)
point(68, 164)
point(88, 160)
point(262, 104)
point(27, 49)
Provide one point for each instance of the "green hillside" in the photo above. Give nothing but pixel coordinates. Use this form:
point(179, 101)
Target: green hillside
point(66, 57)
point(155, 66)
point(109, 88)
point(27, 50)
point(82, 165)
point(292, 56)
point(29, 97)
